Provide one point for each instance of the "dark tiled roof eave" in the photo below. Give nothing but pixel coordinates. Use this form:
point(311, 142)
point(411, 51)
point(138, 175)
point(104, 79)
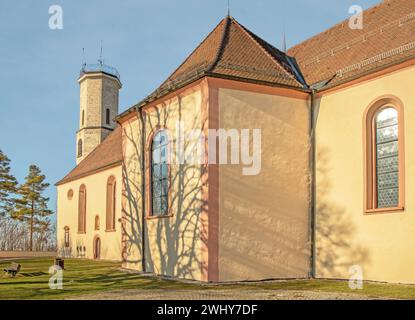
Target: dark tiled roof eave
point(89, 173)
point(339, 81)
point(106, 155)
point(159, 95)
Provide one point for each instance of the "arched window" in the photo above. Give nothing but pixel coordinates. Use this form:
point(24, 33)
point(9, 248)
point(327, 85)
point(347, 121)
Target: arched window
point(159, 174)
point(111, 196)
point(384, 157)
point(107, 116)
point(79, 148)
point(66, 237)
point(82, 209)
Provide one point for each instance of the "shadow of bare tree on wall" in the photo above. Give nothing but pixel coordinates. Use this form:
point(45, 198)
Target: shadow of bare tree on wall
point(172, 244)
point(336, 250)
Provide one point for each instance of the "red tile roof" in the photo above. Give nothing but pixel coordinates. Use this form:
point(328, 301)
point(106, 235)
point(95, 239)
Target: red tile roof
point(387, 37)
point(105, 155)
point(233, 51)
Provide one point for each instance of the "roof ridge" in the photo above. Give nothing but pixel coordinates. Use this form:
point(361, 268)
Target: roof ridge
point(193, 51)
point(253, 38)
point(221, 48)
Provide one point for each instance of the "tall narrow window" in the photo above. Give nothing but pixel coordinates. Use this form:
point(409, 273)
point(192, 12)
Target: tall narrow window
point(111, 193)
point(82, 209)
point(107, 116)
point(387, 158)
point(384, 157)
point(83, 118)
point(66, 237)
point(159, 174)
point(79, 148)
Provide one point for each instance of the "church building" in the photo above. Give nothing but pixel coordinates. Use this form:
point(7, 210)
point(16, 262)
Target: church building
point(250, 163)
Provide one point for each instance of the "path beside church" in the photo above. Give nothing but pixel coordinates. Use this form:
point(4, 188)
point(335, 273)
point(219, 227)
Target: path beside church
point(138, 294)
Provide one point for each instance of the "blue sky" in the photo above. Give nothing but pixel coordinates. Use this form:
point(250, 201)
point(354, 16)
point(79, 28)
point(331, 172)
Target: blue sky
point(144, 39)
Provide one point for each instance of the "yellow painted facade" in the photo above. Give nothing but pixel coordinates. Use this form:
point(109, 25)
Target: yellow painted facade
point(172, 244)
point(264, 218)
point(381, 244)
point(81, 245)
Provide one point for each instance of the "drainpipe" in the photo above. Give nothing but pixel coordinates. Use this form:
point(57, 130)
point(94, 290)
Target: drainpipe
point(143, 188)
point(312, 213)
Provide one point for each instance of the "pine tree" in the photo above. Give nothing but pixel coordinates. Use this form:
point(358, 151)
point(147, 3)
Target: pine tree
point(8, 184)
point(32, 206)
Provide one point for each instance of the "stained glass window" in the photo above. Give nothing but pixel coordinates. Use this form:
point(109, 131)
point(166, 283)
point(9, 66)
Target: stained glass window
point(387, 158)
point(159, 174)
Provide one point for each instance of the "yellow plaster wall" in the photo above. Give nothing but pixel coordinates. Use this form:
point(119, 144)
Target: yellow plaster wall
point(263, 219)
point(132, 194)
point(382, 244)
point(67, 215)
point(173, 244)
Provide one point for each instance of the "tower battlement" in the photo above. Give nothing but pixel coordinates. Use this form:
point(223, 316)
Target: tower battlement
point(98, 67)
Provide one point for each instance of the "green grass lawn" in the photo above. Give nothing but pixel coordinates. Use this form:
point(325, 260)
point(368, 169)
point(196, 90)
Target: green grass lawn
point(87, 277)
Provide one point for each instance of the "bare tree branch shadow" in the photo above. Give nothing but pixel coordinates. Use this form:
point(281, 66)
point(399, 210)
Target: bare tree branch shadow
point(172, 245)
point(336, 250)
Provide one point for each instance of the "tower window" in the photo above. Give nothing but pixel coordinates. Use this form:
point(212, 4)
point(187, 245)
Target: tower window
point(79, 148)
point(83, 118)
point(107, 116)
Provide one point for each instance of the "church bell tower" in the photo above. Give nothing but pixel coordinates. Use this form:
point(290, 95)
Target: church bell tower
point(99, 91)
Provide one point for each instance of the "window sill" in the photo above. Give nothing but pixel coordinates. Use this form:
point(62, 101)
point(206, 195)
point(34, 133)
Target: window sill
point(83, 232)
point(383, 210)
point(110, 230)
point(159, 217)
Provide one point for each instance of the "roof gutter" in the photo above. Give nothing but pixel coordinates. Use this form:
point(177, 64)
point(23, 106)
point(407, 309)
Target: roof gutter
point(89, 173)
point(143, 187)
point(328, 85)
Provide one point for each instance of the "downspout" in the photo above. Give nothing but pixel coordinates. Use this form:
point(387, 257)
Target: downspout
point(312, 186)
point(143, 188)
